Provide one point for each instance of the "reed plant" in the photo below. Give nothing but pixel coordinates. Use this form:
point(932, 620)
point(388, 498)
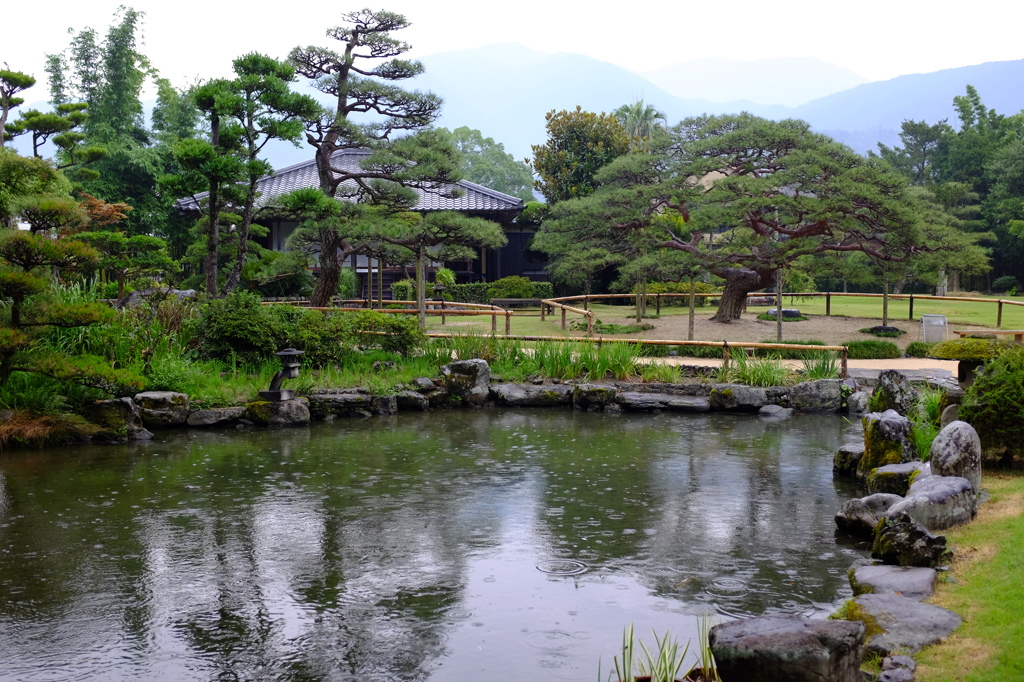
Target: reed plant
point(558, 359)
point(764, 372)
point(622, 359)
point(925, 418)
point(595, 360)
point(820, 365)
point(655, 371)
point(664, 664)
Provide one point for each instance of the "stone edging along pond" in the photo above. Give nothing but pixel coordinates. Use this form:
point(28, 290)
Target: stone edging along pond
point(882, 619)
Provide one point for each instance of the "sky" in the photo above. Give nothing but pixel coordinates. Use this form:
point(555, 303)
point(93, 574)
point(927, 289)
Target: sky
point(188, 40)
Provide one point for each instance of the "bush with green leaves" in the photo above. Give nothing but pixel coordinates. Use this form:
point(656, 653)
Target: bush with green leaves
point(785, 353)
point(920, 349)
point(872, 350)
point(403, 290)
point(681, 288)
point(477, 292)
point(391, 332)
point(238, 327)
point(1005, 283)
point(994, 403)
point(512, 287)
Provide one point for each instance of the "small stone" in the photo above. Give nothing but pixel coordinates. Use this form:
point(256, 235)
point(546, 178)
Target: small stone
point(821, 396)
point(896, 478)
point(950, 413)
point(901, 541)
point(775, 412)
point(956, 451)
point(894, 392)
point(846, 461)
point(860, 516)
point(939, 502)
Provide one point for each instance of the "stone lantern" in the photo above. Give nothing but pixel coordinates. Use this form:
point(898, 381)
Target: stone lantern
point(290, 364)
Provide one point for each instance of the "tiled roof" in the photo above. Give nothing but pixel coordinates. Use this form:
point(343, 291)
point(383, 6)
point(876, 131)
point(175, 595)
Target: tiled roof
point(474, 197)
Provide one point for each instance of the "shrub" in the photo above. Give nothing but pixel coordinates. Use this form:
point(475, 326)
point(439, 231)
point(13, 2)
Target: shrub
point(478, 292)
point(884, 332)
point(512, 287)
point(970, 348)
point(403, 290)
point(700, 351)
point(785, 353)
point(769, 317)
point(1005, 283)
point(444, 277)
point(348, 283)
point(919, 349)
point(392, 333)
point(994, 403)
point(543, 290)
point(239, 326)
point(872, 350)
point(743, 369)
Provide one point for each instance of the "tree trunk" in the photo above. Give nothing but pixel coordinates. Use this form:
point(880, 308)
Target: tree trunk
point(380, 283)
point(778, 306)
point(738, 283)
point(900, 283)
point(885, 303)
point(421, 284)
point(213, 242)
point(693, 291)
point(641, 299)
point(331, 258)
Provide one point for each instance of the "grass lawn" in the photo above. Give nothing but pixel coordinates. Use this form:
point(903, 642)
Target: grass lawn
point(987, 590)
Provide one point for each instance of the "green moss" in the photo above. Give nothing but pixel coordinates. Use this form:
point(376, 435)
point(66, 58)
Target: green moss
point(971, 349)
point(878, 451)
point(852, 611)
point(858, 587)
point(259, 412)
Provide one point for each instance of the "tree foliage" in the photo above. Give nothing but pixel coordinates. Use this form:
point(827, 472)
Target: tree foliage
point(486, 162)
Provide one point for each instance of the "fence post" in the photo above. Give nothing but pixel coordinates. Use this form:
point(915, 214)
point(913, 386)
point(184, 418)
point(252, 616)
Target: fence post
point(494, 322)
point(911, 318)
point(442, 312)
point(828, 303)
point(590, 324)
point(725, 355)
point(563, 317)
point(657, 304)
point(543, 310)
point(843, 370)
point(586, 302)
point(999, 315)
point(508, 323)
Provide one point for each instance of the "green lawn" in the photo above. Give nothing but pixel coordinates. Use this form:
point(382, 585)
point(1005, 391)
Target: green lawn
point(986, 589)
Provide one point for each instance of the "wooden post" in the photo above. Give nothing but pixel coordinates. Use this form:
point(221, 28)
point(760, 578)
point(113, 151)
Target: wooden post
point(828, 303)
point(725, 355)
point(911, 318)
point(494, 322)
point(543, 310)
point(657, 304)
point(442, 312)
point(508, 323)
point(563, 317)
point(843, 370)
point(586, 302)
point(999, 315)
point(590, 323)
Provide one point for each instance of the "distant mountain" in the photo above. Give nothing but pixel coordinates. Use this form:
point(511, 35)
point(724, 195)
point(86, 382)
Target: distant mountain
point(789, 81)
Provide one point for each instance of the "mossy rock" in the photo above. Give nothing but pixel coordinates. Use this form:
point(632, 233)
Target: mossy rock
point(887, 440)
point(971, 349)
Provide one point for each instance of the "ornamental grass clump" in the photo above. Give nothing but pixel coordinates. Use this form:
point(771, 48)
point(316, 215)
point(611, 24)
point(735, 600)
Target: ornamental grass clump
point(924, 420)
point(763, 372)
point(820, 365)
point(872, 350)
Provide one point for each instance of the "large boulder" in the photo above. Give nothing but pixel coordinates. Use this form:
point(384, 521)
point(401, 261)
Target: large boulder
point(529, 395)
point(896, 478)
point(956, 451)
point(823, 395)
point(898, 624)
point(894, 392)
point(162, 409)
point(938, 502)
point(861, 516)
point(216, 416)
point(412, 400)
point(345, 403)
point(780, 649)
point(279, 412)
point(737, 398)
point(901, 541)
point(468, 380)
point(846, 461)
point(887, 440)
point(857, 402)
point(384, 405)
point(120, 419)
point(637, 401)
point(593, 396)
point(912, 582)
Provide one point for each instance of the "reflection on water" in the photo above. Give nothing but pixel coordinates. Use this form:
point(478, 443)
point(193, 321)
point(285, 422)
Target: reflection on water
point(497, 545)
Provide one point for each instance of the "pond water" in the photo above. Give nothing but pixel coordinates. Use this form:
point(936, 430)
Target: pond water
point(451, 546)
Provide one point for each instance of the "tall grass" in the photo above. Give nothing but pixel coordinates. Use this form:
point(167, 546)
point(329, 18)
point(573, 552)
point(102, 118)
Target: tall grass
point(743, 369)
point(924, 420)
point(820, 365)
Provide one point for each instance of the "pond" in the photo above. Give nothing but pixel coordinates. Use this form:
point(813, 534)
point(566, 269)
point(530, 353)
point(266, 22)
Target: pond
point(448, 546)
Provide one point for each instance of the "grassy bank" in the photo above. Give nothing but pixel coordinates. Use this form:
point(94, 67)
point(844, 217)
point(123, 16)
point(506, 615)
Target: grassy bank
point(987, 590)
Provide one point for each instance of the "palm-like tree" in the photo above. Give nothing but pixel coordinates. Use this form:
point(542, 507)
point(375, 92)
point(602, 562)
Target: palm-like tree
point(640, 121)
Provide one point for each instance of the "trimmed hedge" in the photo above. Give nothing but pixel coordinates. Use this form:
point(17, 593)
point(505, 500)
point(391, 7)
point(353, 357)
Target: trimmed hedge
point(872, 350)
point(919, 349)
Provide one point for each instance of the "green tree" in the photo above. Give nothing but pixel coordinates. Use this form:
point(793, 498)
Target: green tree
point(579, 143)
point(916, 159)
point(457, 236)
point(404, 152)
point(642, 122)
point(128, 257)
point(11, 83)
point(486, 162)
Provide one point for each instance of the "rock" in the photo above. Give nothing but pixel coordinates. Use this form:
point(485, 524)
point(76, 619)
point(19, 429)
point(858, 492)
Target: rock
point(593, 396)
point(279, 413)
point(646, 402)
point(468, 380)
point(384, 405)
point(902, 625)
point(423, 384)
point(887, 440)
point(912, 582)
point(775, 412)
point(846, 460)
point(938, 502)
point(777, 649)
point(950, 413)
point(120, 418)
point(136, 297)
point(347, 404)
point(6, 416)
point(901, 541)
point(412, 400)
point(894, 392)
point(777, 395)
point(737, 398)
point(215, 416)
point(162, 409)
point(857, 402)
point(897, 669)
point(897, 675)
point(861, 516)
point(823, 395)
point(786, 312)
point(956, 451)
point(528, 395)
point(896, 478)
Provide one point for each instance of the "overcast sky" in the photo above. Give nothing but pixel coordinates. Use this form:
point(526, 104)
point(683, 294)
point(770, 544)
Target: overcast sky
point(878, 39)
